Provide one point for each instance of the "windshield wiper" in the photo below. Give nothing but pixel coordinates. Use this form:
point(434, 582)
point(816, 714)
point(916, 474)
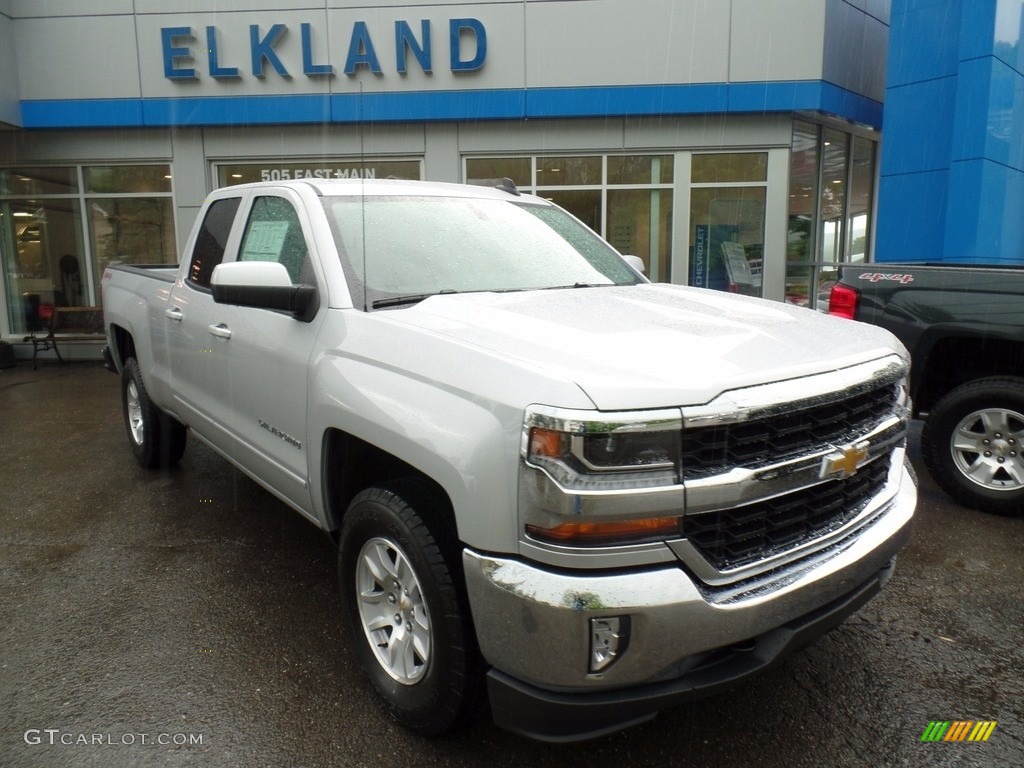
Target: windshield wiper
point(416, 298)
point(403, 301)
point(576, 285)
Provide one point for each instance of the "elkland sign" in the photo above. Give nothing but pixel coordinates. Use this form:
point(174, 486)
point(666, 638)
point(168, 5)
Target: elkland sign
point(185, 49)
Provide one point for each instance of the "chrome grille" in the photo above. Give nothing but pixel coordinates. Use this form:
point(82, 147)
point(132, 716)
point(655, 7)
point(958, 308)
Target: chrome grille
point(715, 449)
point(737, 537)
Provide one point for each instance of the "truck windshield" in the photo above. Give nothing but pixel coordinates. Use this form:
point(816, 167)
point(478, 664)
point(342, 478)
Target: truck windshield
point(399, 250)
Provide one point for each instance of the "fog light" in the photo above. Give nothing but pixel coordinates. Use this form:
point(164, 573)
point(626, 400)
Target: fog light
point(609, 637)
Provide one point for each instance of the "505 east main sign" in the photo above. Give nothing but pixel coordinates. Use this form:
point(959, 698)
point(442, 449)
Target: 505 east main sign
point(184, 47)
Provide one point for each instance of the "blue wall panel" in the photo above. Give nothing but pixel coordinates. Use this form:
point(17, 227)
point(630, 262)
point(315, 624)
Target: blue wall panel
point(988, 226)
point(990, 113)
point(918, 120)
point(974, 96)
point(236, 110)
point(96, 113)
point(966, 128)
point(430, 106)
point(978, 29)
point(914, 227)
point(1005, 125)
point(935, 50)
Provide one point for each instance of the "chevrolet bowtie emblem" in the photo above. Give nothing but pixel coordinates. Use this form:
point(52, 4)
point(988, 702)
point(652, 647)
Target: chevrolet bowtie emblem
point(845, 461)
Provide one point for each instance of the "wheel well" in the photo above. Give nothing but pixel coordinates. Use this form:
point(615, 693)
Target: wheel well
point(955, 361)
point(124, 345)
point(351, 465)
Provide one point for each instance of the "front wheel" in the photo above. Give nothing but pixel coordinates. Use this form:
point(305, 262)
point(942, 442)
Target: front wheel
point(406, 609)
point(156, 439)
point(972, 444)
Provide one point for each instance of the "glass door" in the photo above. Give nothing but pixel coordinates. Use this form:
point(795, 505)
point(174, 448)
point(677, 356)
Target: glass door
point(728, 197)
point(831, 199)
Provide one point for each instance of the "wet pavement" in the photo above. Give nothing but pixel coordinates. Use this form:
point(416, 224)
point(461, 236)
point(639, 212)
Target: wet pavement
point(189, 618)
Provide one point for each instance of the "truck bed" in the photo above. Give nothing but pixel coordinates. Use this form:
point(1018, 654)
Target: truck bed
point(164, 272)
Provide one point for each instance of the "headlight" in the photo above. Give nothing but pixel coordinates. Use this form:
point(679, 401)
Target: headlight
point(588, 451)
point(593, 454)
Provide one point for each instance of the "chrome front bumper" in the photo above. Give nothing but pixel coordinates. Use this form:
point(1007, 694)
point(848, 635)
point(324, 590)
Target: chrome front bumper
point(533, 624)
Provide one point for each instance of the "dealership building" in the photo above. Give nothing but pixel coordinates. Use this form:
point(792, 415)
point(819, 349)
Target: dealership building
point(732, 144)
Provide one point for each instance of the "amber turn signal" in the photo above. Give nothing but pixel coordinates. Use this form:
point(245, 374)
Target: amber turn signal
point(600, 533)
point(547, 443)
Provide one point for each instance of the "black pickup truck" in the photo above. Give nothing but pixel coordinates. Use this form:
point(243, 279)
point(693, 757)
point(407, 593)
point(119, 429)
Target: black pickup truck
point(964, 327)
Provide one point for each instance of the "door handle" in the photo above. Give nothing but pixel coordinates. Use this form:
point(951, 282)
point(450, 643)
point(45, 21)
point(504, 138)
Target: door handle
point(220, 330)
point(173, 314)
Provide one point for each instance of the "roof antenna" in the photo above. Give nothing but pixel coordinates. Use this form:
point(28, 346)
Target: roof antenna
point(505, 184)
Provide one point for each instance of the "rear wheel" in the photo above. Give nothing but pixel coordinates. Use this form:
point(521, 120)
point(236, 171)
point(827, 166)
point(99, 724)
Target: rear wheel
point(406, 608)
point(972, 444)
point(156, 439)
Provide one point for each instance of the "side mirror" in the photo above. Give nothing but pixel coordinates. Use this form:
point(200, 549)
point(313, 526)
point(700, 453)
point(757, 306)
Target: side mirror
point(264, 285)
point(636, 263)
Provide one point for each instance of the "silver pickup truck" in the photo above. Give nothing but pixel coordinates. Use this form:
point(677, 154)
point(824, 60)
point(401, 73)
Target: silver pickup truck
point(551, 481)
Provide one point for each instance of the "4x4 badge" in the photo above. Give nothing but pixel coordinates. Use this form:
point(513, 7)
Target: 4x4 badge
point(845, 461)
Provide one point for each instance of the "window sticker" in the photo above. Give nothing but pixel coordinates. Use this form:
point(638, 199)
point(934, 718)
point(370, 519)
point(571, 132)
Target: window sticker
point(265, 240)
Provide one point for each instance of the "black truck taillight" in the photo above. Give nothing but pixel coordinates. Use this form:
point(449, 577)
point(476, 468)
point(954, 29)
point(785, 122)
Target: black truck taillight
point(842, 301)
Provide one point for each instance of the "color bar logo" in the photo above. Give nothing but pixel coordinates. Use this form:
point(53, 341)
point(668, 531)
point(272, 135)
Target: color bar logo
point(958, 730)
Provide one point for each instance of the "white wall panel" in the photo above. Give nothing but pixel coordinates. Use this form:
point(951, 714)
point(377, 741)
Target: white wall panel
point(224, 6)
point(190, 180)
point(441, 161)
point(313, 141)
point(89, 57)
point(855, 50)
point(412, 3)
point(710, 132)
point(616, 42)
point(540, 136)
point(880, 9)
point(10, 110)
point(776, 41)
point(672, 132)
point(25, 9)
point(100, 146)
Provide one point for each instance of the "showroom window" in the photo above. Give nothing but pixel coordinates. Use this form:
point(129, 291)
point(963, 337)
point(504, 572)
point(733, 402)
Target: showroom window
point(130, 216)
point(831, 197)
point(626, 199)
point(61, 226)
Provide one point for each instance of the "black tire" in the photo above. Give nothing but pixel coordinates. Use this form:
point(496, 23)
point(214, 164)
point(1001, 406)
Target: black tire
point(397, 554)
point(972, 444)
point(156, 439)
